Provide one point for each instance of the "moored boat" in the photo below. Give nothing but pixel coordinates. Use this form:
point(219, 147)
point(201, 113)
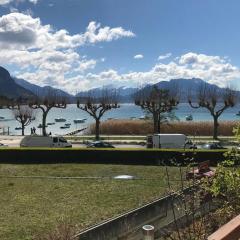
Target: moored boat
point(60, 120)
point(64, 127)
point(189, 117)
point(80, 120)
point(52, 123)
point(40, 126)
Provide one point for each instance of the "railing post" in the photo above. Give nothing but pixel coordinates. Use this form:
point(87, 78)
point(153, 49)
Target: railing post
point(148, 232)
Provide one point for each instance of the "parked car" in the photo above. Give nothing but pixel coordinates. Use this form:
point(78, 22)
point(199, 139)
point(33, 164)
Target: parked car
point(213, 146)
point(3, 145)
point(45, 141)
point(100, 144)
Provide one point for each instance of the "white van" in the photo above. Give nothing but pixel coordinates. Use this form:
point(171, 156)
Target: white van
point(169, 141)
point(44, 141)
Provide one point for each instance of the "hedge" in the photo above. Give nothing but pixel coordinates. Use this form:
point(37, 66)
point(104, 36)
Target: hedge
point(109, 156)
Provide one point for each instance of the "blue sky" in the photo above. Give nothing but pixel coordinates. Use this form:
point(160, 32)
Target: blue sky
point(81, 44)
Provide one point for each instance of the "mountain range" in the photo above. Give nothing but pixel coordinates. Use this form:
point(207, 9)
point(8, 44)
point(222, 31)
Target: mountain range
point(13, 87)
point(9, 88)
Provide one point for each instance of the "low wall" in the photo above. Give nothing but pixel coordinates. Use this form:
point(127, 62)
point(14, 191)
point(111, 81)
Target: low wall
point(107, 156)
point(129, 226)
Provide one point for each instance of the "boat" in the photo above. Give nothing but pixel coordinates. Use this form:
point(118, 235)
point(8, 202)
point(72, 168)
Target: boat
point(52, 123)
point(67, 124)
point(142, 118)
point(18, 128)
point(189, 117)
point(1, 118)
point(40, 126)
point(64, 127)
point(238, 114)
point(80, 120)
point(60, 120)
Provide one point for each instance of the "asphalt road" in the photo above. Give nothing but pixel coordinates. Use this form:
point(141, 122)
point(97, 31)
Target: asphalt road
point(14, 141)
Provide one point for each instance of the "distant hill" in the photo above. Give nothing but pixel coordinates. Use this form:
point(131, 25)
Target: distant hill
point(184, 87)
point(42, 91)
point(125, 94)
point(9, 88)
point(15, 87)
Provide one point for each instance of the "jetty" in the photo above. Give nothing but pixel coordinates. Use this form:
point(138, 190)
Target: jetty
point(75, 132)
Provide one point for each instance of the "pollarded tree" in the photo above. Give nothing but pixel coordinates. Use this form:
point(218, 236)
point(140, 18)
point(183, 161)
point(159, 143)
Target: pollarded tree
point(45, 104)
point(97, 106)
point(21, 112)
point(215, 101)
point(157, 102)
point(24, 115)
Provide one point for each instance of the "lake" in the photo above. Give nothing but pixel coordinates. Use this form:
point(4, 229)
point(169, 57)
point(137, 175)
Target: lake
point(126, 111)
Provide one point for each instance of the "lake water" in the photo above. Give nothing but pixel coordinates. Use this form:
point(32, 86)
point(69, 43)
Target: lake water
point(126, 111)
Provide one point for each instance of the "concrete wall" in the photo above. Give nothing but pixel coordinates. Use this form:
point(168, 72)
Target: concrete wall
point(129, 226)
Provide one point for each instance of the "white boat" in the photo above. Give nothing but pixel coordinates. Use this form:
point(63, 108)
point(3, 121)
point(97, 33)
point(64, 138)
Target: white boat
point(64, 127)
point(238, 114)
point(67, 124)
point(60, 120)
point(189, 117)
point(142, 117)
point(80, 120)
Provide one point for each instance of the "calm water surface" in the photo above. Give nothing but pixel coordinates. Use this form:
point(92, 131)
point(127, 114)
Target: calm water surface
point(126, 111)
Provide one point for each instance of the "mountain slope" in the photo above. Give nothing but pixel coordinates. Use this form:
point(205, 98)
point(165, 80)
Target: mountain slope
point(9, 88)
point(42, 91)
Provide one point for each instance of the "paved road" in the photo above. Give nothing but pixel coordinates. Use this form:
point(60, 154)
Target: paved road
point(14, 141)
point(115, 145)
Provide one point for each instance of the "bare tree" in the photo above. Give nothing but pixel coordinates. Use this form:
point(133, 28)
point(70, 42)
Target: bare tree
point(215, 101)
point(24, 115)
point(157, 102)
point(45, 104)
point(97, 106)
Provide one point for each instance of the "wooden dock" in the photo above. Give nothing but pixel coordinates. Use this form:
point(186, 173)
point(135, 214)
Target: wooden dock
point(75, 132)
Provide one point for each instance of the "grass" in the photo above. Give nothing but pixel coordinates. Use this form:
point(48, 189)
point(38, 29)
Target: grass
point(33, 206)
point(143, 127)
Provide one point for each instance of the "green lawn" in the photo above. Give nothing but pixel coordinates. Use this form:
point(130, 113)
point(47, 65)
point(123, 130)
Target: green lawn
point(33, 206)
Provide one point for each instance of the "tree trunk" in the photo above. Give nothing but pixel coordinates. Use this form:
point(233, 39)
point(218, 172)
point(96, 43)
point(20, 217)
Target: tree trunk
point(215, 127)
point(23, 128)
point(155, 123)
point(97, 130)
point(159, 124)
point(44, 133)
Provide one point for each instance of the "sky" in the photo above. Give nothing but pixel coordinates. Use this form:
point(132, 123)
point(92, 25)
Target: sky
point(77, 45)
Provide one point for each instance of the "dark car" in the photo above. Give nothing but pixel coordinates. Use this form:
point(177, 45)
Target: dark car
point(99, 144)
point(213, 146)
point(3, 145)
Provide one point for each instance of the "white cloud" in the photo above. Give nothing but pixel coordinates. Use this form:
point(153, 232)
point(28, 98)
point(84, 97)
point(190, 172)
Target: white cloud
point(212, 69)
point(138, 56)
point(5, 2)
point(46, 56)
point(22, 31)
point(165, 56)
